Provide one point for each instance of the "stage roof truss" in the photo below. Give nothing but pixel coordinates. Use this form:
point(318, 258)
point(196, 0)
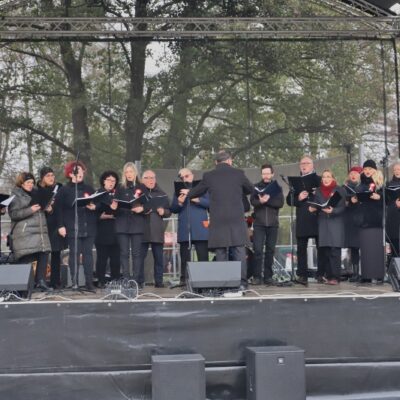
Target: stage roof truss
point(112, 28)
point(354, 7)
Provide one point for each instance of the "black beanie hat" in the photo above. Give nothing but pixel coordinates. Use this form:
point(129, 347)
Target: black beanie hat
point(44, 171)
point(370, 163)
point(26, 176)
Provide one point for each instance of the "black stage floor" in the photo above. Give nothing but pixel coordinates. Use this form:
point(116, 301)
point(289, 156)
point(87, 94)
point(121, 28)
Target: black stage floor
point(68, 345)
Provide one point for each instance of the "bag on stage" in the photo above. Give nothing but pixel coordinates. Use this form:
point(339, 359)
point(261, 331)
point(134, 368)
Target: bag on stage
point(178, 185)
point(272, 189)
point(128, 204)
point(307, 182)
point(333, 201)
point(86, 200)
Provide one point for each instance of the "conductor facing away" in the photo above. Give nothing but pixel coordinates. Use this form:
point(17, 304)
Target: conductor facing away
point(226, 186)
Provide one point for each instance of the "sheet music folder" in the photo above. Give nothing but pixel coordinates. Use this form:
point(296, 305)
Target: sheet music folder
point(179, 185)
point(273, 189)
point(307, 182)
point(93, 198)
point(333, 201)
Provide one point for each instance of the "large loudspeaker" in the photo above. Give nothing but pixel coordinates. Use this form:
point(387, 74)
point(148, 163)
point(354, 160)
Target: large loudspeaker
point(18, 277)
point(275, 373)
point(214, 274)
point(178, 377)
point(394, 273)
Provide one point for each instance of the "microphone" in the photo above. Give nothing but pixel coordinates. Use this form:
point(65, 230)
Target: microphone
point(75, 171)
point(284, 179)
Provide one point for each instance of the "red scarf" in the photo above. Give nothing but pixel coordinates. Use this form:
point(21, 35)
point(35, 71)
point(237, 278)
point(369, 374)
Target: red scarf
point(328, 190)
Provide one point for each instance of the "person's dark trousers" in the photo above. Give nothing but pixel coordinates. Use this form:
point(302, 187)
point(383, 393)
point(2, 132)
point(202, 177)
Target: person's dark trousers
point(330, 257)
point(55, 261)
point(238, 253)
point(132, 242)
point(302, 262)
point(201, 247)
point(158, 257)
point(355, 255)
point(264, 235)
point(107, 252)
point(41, 264)
point(85, 248)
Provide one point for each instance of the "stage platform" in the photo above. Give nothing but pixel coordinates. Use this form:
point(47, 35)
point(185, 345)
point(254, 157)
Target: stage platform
point(254, 291)
point(70, 346)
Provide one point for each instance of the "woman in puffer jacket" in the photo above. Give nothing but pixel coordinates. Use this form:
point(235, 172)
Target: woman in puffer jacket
point(30, 240)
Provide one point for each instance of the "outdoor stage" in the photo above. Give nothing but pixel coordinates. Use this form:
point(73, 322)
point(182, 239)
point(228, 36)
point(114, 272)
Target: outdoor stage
point(83, 346)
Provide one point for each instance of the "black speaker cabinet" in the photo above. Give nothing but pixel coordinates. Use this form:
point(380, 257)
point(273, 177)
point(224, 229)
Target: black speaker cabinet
point(394, 273)
point(214, 274)
point(18, 277)
point(178, 377)
point(275, 373)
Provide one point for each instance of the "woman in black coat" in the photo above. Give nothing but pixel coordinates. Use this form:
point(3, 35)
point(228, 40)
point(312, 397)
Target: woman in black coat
point(393, 212)
point(351, 225)
point(106, 242)
point(87, 220)
point(47, 183)
point(129, 222)
point(330, 228)
point(371, 231)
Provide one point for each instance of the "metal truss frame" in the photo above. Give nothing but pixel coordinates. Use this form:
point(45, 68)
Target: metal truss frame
point(113, 28)
point(354, 7)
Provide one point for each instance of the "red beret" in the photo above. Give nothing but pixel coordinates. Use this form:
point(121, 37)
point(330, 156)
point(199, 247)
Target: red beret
point(356, 168)
point(69, 167)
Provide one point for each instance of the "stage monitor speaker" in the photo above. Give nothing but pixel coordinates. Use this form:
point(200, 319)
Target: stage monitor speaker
point(214, 274)
point(178, 377)
point(18, 277)
point(394, 273)
point(275, 373)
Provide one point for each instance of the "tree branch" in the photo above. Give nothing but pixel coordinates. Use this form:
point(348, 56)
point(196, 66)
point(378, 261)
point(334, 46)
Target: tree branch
point(151, 119)
point(39, 132)
point(38, 56)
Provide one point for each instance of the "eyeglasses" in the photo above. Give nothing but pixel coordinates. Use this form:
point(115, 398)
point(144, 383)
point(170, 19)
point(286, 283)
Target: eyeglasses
point(149, 177)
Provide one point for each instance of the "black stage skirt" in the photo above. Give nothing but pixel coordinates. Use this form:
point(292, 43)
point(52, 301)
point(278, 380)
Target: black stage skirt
point(372, 252)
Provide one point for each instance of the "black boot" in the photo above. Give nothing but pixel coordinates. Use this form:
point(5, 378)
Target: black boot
point(43, 286)
point(356, 274)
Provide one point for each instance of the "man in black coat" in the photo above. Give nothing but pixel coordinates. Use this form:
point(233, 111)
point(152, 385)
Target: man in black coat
point(228, 230)
point(156, 208)
point(306, 223)
point(266, 223)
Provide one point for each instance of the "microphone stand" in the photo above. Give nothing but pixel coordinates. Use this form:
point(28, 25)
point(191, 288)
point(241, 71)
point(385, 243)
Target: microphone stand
point(291, 192)
point(188, 185)
point(75, 278)
point(189, 224)
point(75, 285)
point(384, 163)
